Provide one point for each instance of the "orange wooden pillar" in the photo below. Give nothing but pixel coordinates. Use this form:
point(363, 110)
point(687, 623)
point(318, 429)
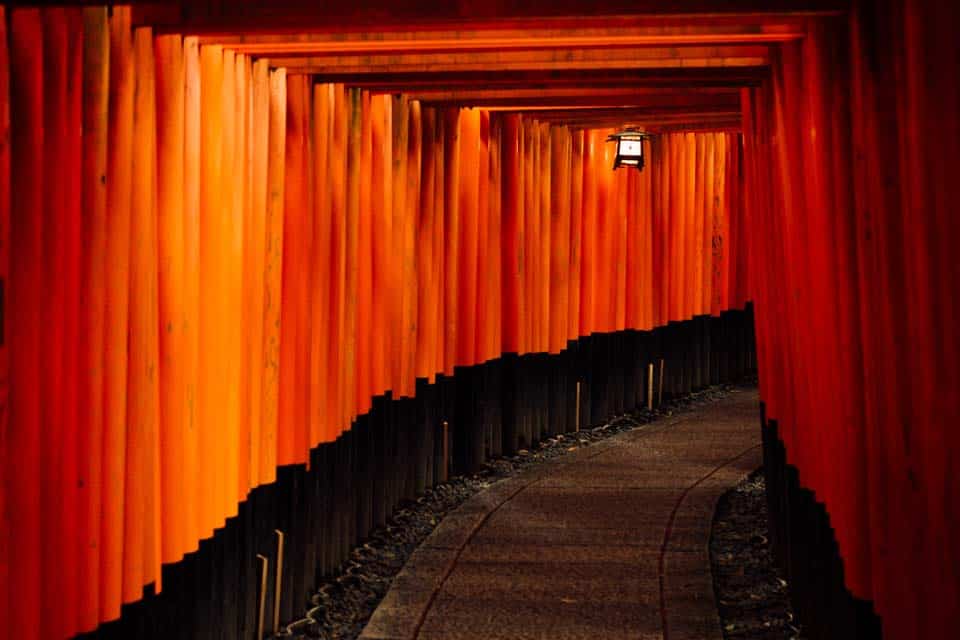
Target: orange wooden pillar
point(338, 190)
point(677, 208)
point(230, 255)
point(255, 255)
point(5, 513)
point(26, 251)
point(381, 188)
point(242, 204)
point(364, 260)
point(61, 412)
point(531, 219)
point(353, 147)
point(523, 264)
point(400, 127)
point(822, 315)
point(439, 240)
point(698, 228)
point(190, 511)
point(235, 184)
point(485, 329)
point(119, 184)
point(677, 204)
point(668, 237)
point(273, 281)
point(646, 213)
point(52, 348)
point(321, 373)
point(635, 281)
point(73, 365)
point(513, 310)
point(559, 223)
point(694, 166)
point(451, 236)
point(588, 276)
point(620, 201)
point(408, 249)
point(297, 225)
point(141, 561)
point(819, 310)
point(544, 188)
point(466, 291)
point(576, 233)
point(482, 295)
point(170, 252)
point(427, 275)
point(607, 218)
point(733, 215)
point(659, 226)
point(493, 240)
point(733, 285)
point(91, 321)
point(211, 382)
point(711, 212)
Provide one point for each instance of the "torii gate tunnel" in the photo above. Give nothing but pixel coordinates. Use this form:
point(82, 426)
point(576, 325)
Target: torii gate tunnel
point(261, 260)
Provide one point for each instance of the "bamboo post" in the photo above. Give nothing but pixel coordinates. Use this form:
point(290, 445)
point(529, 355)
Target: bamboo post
point(650, 387)
point(446, 451)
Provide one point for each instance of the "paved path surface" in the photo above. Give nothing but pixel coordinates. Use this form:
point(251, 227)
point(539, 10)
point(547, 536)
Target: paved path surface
point(609, 541)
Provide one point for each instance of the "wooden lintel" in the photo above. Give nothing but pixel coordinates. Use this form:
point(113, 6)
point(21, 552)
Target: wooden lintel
point(297, 16)
point(586, 65)
point(586, 100)
point(584, 80)
point(323, 45)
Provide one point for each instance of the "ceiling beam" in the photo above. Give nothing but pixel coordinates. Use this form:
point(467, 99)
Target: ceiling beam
point(522, 95)
point(262, 16)
point(651, 125)
point(371, 43)
point(694, 123)
point(583, 79)
point(629, 115)
point(670, 99)
point(643, 58)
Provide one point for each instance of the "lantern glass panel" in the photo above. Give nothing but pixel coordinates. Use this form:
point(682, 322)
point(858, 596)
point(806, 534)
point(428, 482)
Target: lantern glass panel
point(631, 148)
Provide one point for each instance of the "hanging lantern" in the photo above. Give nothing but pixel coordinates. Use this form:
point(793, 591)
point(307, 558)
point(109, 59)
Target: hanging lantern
point(629, 148)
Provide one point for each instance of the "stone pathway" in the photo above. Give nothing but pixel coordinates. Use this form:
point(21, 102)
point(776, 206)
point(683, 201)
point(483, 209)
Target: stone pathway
point(609, 541)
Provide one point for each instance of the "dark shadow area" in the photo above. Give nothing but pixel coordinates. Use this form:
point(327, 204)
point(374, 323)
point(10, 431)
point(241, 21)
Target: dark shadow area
point(751, 594)
point(805, 549)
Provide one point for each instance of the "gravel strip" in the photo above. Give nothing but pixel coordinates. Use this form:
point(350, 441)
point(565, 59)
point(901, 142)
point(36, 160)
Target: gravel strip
point(750, 590)
point(344, 602)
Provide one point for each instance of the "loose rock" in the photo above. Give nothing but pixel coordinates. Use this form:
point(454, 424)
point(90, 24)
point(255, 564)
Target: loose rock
point(751, 594)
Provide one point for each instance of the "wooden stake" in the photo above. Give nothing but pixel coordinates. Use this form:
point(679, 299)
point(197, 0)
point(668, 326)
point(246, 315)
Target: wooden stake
point(650, 387)
point(264, 569)
point(279, 579)
point(446, 452)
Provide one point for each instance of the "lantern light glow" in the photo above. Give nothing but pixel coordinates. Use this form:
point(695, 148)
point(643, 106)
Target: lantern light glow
point(629, 148)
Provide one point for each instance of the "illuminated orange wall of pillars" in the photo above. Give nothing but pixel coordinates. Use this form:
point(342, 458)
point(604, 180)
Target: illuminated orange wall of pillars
point(213, 267)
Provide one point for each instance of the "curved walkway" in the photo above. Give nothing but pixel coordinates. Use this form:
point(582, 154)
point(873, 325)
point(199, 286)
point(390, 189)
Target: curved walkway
point(608, 541)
